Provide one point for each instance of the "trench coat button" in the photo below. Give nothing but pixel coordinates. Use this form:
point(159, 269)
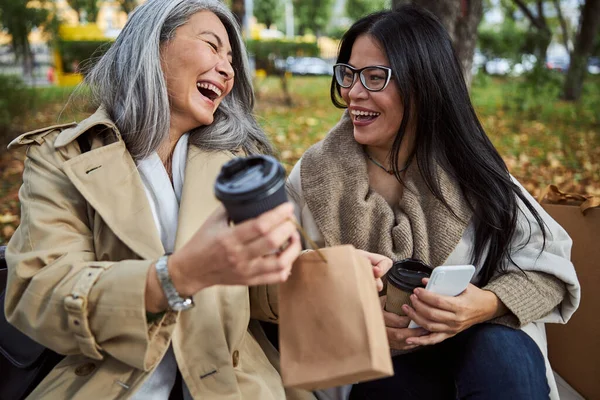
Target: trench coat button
point(236, 358)
point(85, 369)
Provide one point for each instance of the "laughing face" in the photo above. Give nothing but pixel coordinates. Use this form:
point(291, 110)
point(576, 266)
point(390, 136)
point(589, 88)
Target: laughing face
point(197, 67)
point(376, 115)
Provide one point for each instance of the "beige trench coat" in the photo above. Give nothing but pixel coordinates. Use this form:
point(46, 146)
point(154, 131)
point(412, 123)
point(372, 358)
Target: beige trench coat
point(77, 276)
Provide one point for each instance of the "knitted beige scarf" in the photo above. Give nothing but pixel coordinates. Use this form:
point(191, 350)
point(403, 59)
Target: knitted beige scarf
point(336, 189)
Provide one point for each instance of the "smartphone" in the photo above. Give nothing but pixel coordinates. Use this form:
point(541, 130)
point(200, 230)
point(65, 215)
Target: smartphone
point(448, 280)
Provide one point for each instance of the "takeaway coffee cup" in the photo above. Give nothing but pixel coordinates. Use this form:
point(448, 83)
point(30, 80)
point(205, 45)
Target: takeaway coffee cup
point(250, 186)
point(402, 279)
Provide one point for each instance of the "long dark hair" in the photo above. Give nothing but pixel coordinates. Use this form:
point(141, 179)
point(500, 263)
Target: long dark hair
point(448, 132)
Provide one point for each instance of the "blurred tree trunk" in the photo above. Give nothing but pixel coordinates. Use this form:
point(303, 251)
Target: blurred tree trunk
point(92, 11)
point(238, 8)
point(584, 43)
point(17, 19)
point(128, 5)
point(563, 25)
point(538, 21)
point(461, 19)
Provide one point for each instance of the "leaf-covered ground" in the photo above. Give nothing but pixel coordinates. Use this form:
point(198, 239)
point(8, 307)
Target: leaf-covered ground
point(558, 143)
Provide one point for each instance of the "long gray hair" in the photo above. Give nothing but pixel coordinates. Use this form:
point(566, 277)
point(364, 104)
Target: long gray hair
point(128, 82)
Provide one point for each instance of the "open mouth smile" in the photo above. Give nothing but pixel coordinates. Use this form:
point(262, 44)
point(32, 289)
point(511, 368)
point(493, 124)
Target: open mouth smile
point(209, 90)
point(364, 116)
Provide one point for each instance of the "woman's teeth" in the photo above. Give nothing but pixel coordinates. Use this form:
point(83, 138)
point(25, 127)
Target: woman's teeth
point(359, 114)
point(209, 86)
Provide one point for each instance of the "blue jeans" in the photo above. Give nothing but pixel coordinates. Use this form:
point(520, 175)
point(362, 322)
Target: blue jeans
point(486, 361)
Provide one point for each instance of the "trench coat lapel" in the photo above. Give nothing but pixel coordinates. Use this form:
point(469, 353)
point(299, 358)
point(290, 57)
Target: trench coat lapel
point(213, 303)
point(198, 201)
point(108, 179)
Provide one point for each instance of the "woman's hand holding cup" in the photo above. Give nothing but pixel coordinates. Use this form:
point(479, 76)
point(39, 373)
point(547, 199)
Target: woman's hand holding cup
point(397, 329)
point(261, 247)
point(245, 254)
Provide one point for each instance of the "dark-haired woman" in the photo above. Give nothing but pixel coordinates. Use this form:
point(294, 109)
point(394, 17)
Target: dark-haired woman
point(409, 172)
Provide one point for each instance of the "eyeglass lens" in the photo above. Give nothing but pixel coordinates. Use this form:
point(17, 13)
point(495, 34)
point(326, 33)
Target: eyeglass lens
point(373, 78)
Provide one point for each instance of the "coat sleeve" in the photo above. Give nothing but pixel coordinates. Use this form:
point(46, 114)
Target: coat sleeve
point(548, 289)
point(58, 293)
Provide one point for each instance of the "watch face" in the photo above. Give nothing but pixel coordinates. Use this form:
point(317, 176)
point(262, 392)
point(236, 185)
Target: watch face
point(186, 304)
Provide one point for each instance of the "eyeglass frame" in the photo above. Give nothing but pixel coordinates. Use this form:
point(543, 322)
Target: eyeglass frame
point(358, 71)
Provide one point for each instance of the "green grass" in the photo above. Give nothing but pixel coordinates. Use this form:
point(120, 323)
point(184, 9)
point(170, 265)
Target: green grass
point(52, 95)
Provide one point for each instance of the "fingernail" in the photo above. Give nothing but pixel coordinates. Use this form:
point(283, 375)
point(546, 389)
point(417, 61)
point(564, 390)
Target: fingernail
point(410, 342)
point(405, 307)
point(413, 297)
point(417, 290)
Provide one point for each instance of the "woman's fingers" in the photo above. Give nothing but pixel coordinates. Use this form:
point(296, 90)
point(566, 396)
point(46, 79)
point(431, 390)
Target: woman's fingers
point(431, 326)
point(435, 300)
point(274, 268)
point(428, 340)
point(379, 284)
point(394, 320)
point(431, 313)
point(272, 278)
point(260, 226)
point(380, 263)
point(272, 242)
point(398, 337)
point(290, 254)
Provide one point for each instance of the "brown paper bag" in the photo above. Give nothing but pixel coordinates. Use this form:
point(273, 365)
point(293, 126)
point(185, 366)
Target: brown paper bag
point(574, 348)
point(331, 329)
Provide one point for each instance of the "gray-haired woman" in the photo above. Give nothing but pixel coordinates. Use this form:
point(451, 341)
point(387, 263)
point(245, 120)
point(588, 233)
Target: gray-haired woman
point(120, 238)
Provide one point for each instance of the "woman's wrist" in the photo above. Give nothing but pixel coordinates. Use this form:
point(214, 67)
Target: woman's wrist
point(155, 299)
point(494, 306)
point(185, 286)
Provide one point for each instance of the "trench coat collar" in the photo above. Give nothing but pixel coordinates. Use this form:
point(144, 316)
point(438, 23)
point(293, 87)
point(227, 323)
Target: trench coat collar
point(100, 117)
point(108, 179)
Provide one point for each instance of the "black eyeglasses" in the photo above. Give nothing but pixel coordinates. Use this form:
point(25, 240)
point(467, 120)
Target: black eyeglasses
point(374, 78)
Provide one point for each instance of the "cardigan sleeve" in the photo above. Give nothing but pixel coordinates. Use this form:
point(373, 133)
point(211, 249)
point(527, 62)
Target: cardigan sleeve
point(544, 287)
point(529, 296)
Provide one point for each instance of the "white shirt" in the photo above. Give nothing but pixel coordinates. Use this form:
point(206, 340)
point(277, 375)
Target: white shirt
point(164, 199)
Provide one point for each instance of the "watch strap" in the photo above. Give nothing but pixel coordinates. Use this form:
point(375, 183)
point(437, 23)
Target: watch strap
point(176, 302)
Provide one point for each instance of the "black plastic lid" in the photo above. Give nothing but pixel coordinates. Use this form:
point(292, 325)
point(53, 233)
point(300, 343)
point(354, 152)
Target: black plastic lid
point(249, 179)
point(408, 274)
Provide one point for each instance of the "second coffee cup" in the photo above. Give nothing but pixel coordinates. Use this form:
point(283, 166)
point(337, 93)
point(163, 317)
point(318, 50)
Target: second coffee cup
point(402, 279)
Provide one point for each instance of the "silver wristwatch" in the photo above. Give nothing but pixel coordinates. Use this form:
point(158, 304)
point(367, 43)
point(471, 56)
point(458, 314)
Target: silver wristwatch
point(176, 302)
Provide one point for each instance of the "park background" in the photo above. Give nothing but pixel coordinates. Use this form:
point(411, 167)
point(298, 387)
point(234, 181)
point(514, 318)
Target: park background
point(533, 67)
